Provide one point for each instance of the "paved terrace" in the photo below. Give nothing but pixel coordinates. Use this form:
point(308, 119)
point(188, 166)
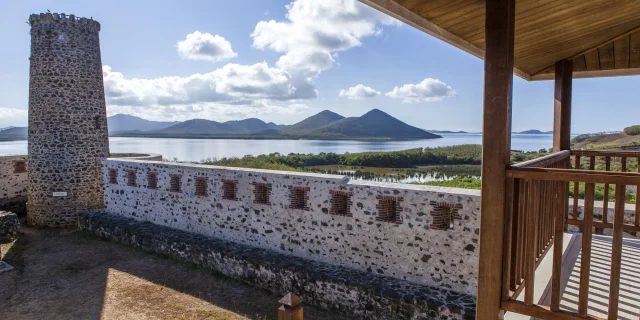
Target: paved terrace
point(71, 275)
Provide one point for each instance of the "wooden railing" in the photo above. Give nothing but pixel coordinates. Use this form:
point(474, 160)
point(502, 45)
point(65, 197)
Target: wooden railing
point(606, 160)
point(537, 215)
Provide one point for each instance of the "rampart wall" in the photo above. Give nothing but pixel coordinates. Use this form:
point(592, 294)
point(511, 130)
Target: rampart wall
point(425, 235)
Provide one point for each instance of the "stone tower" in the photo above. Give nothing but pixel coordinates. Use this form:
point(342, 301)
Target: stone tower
point(68, 136)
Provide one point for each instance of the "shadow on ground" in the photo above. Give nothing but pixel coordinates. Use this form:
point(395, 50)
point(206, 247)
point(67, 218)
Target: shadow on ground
point(72, 275)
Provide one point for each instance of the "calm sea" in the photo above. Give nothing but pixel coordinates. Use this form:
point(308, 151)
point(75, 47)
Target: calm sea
point(199, 149)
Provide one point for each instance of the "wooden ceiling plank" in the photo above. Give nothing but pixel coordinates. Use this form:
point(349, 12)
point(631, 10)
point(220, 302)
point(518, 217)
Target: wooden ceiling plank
point(621, 52)
point(569, 44)
point(592, 60)
point(635, 29)
point(542, 55)
point(527, 9)
point(466, 15)
point(634, 50)
point(579, 64)
point(527, 27)
point(607, 57)
point(550, 13)
point(585, 22)
point(430, 12)
point(476, 19)
point(453, 8)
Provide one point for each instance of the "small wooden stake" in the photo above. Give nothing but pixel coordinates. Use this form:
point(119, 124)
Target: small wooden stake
point(290, 308)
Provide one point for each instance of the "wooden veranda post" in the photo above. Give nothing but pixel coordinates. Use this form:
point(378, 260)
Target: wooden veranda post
point(496, 151)
point(562, 106)
point(561, 142)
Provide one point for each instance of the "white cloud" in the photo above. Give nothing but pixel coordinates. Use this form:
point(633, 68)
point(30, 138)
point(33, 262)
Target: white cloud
point(428, 90)
point(232, 84)
point(230, 92)
point(205, 46)
point(315, 29)
point(359, 92)
point(13, 117)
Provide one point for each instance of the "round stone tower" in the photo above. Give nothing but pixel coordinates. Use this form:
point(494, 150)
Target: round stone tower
point(68, 136)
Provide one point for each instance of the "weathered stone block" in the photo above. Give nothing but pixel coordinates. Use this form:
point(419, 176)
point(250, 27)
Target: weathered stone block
point(9, 227)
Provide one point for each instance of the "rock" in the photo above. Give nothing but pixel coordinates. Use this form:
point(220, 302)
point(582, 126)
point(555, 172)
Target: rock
point(9, 227)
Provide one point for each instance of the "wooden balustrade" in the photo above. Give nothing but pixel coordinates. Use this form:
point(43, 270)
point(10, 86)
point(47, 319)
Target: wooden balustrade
point(532, 208)
point(607, 160)
point(538, 213)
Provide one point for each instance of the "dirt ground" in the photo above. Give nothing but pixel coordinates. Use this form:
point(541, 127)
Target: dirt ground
point(72, 275)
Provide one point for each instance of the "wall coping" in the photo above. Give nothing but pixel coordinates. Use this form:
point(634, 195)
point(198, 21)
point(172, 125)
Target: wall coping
point(136, 156)
point(14, 157)
point(344, 179)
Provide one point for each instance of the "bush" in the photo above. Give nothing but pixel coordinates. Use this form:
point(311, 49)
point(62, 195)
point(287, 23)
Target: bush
point(632, 131)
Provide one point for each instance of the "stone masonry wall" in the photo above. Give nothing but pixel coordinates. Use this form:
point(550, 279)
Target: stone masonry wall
point(401, 231)
point(357, 294)
point(13, 183)
point(67, 119)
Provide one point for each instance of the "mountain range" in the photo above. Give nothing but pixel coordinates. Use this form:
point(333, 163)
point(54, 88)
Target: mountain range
point(326, 124)
point(374, 124)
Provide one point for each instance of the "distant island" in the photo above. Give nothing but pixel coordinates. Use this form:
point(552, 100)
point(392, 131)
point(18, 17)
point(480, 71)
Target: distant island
point(326, 125)
point(533, 131)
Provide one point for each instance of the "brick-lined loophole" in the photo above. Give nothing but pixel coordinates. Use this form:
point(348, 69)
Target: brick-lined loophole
point(131, 178)
point(262, 193)
point(113, 176)
point(229, 189)
point(389, 209)
point(202, 187)
point(341, 203)
point(444, 215)
point(152, 180)
point(175, 183)
point(299, 197)
point(20, 167)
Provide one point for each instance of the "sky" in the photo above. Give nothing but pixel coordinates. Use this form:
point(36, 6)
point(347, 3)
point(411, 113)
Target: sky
point(283, 61)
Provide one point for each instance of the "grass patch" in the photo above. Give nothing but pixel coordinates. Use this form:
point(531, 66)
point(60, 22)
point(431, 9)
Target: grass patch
point(464, 183)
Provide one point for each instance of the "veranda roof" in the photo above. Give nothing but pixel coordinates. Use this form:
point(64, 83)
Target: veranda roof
point(602, 37)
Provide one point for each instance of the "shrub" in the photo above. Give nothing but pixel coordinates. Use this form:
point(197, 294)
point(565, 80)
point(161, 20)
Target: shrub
point(632, 131)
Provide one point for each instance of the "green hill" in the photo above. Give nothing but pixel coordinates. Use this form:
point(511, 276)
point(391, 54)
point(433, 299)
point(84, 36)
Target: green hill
point(125, 122)
point(374, 123)
point(14, 133)
point(208, 127)
point(628, 138)
point(312, 123)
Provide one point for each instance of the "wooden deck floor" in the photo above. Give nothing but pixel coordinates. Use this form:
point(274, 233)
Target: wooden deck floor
point(629, 306)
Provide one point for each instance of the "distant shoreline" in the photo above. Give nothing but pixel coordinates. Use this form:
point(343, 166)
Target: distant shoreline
point(258, 137)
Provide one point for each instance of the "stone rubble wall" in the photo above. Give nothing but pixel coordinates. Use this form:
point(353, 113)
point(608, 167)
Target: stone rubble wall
point(13, 185)
point(415, 246)
point(357, 294)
